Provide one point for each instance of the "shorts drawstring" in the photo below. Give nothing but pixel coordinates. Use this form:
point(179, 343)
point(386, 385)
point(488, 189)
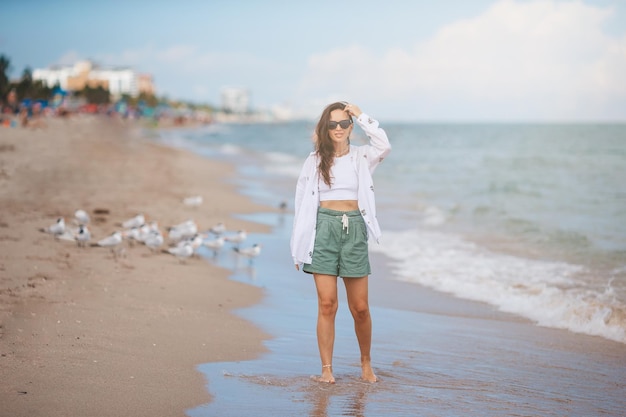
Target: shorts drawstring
point(344, 222)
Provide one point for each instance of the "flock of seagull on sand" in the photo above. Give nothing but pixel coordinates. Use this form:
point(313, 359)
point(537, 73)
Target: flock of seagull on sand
point(182, 240)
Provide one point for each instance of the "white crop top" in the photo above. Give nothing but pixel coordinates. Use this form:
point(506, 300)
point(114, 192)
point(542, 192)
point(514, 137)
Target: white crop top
point(345, 182)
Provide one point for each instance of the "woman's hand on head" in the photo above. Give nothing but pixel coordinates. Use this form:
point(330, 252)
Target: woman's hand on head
point(353, 110)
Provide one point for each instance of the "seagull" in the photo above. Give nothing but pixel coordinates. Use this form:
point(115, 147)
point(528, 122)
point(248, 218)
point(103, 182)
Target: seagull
point(153, 226)
point(250, 253)
point(141, 233)
point(237, 238)
point(56, 228)
point(195, 242)
point(82, 236)
point(136, 221)
point(154, 240)
point(182, 252)
point(81, 217)
point(69, 234)
point(145, 231)
point(131, 234)
point(183, 230)
point(215, 245)
point(186, 223)
point(193, 201)
point(112, 242)
point(218, 229)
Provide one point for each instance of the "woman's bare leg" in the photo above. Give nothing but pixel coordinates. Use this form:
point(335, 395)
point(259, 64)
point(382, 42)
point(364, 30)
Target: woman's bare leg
point(357, 292)
point(326, 311)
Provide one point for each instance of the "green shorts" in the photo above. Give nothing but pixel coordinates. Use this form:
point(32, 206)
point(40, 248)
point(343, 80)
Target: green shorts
point(340, 245)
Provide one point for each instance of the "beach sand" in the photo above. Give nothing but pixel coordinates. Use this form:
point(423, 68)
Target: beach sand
point(84, 333)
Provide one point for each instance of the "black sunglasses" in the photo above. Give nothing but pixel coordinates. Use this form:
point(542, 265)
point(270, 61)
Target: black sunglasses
point(332, 125)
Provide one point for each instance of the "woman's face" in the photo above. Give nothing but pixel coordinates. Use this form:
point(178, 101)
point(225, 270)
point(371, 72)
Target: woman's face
point(339, 135)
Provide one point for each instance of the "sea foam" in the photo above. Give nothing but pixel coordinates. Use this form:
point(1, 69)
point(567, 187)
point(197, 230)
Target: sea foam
point(551, 294)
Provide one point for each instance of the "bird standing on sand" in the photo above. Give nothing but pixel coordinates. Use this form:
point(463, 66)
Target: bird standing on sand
point(57, 228)
point(131, 235)
point(136, 221)
point(82, 236)
point(111, 242)
point(154, 240)
point(195, 242)
point(181, 252)
point(147, 230)
point(81, 217)
point(182, 231)
point(193, 201)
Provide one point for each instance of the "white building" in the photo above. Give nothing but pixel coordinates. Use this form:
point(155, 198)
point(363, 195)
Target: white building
point(117, 80)
point(120, 81)
point(54, 75)
point(235, 100)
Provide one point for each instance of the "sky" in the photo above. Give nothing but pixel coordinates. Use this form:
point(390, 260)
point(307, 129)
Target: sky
point(447, 60)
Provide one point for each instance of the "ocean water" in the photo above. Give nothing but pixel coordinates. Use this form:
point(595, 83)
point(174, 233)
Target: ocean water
point(530, 219)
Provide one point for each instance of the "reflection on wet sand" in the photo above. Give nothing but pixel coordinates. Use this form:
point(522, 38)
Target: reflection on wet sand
point(350, 399)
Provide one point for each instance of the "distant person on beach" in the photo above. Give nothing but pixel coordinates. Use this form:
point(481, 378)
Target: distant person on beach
point(24, 117)
point(335, 214)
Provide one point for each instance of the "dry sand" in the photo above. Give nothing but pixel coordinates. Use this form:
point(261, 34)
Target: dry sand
point(83, 333)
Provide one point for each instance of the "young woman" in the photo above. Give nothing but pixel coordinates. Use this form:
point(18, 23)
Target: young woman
point(335, 214)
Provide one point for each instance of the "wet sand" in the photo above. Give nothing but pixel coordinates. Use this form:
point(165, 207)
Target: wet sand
point(84, 333)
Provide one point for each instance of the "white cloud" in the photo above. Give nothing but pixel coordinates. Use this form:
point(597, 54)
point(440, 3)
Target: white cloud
point(541, 59)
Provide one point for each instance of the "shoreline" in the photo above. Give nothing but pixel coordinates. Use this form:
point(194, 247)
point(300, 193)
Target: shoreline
point(83, 333)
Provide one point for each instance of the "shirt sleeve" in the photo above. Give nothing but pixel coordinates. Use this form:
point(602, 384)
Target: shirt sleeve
point(301, 184)
point(379, 146)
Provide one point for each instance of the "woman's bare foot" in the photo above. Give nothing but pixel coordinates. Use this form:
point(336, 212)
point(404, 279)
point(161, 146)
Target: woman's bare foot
point(327, 375)
point(367, 374)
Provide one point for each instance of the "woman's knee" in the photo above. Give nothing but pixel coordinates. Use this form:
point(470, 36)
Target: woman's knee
point(328, 307)
point(360, 311)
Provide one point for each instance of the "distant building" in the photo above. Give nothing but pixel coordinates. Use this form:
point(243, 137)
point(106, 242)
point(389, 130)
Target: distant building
point(54, 76)
point(145, 84)
point(235, 100)
point(84, 73)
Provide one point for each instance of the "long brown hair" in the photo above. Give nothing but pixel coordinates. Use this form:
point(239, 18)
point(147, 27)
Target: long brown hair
point(323, 144)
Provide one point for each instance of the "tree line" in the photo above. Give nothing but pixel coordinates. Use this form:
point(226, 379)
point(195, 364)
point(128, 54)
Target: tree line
point(25, 87)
